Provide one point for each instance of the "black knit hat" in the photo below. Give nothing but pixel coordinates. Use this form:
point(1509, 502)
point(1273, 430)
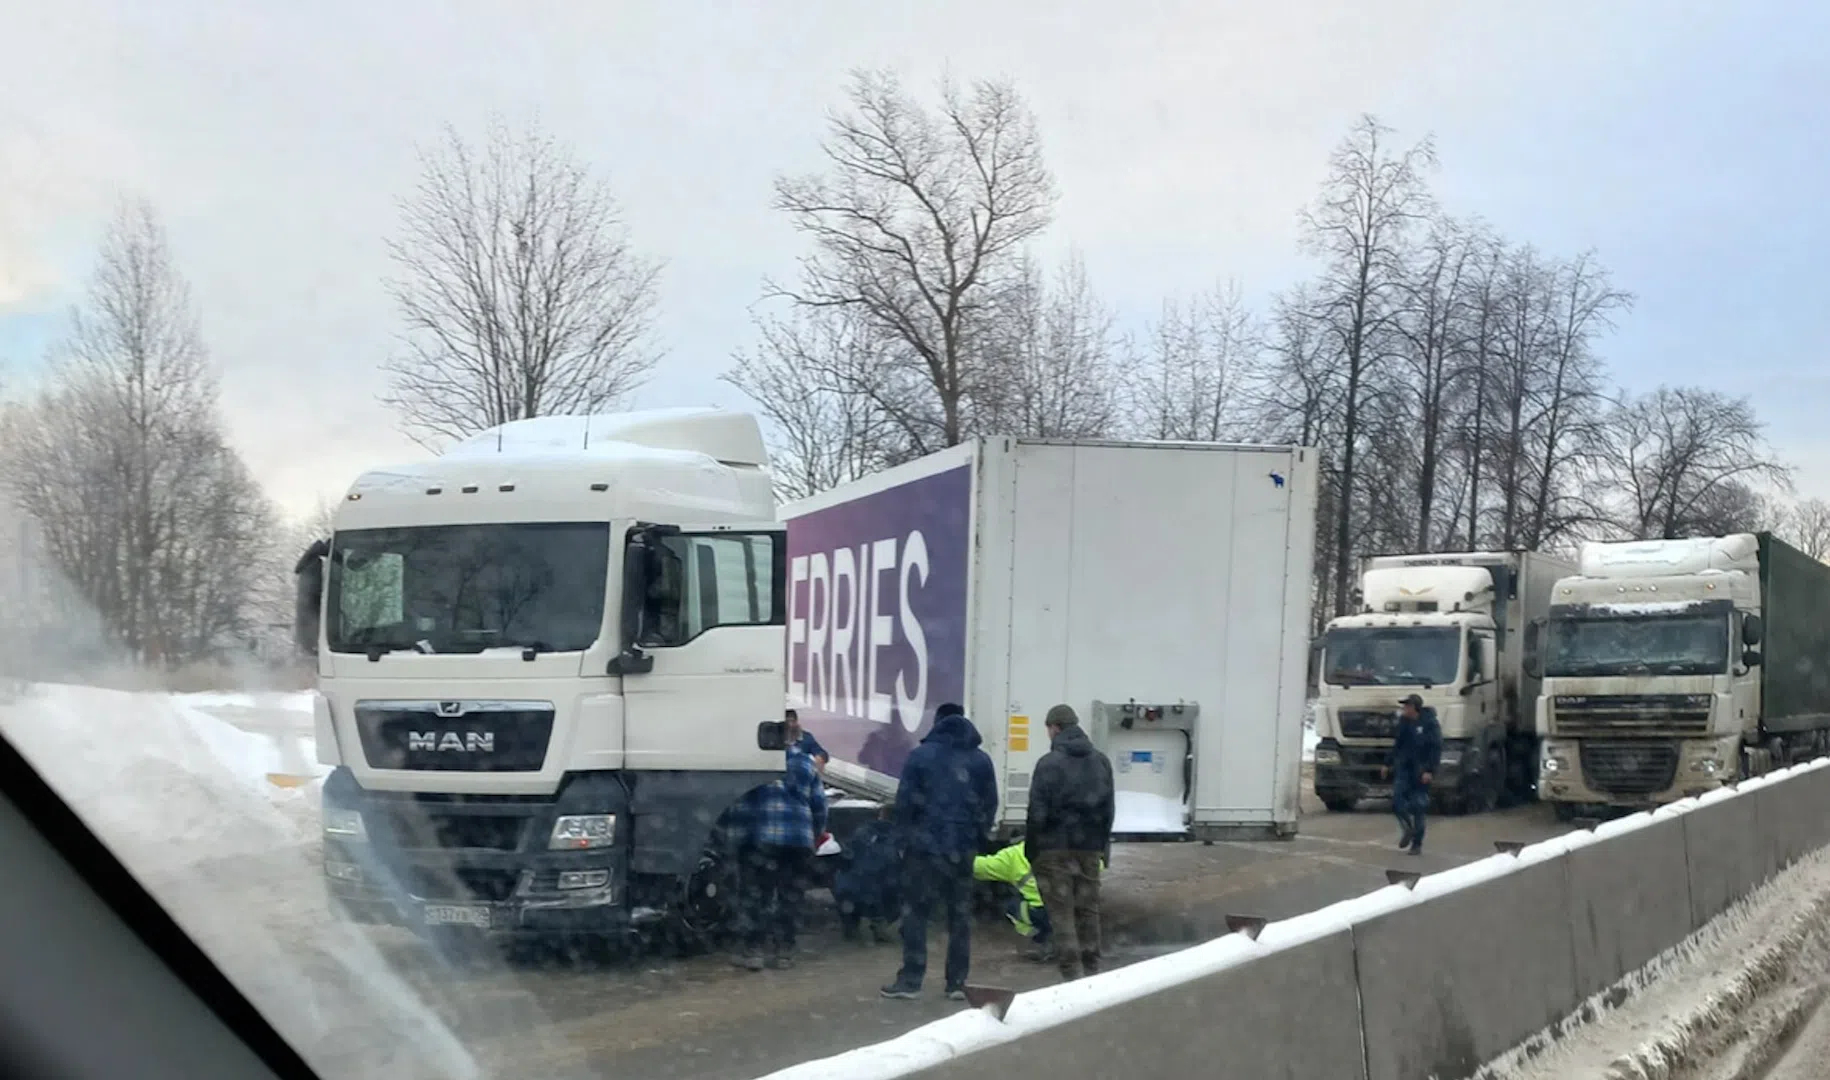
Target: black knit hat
point(949, 709)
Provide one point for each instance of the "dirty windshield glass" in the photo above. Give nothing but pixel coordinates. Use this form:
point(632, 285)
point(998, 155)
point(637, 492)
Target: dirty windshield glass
point(1638, 645)
point(1392, 656)
point(465, 588)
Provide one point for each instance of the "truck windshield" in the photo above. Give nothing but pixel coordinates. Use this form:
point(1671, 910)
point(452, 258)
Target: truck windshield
point(1637, 645)
point(1392, 656)
point(466, 588)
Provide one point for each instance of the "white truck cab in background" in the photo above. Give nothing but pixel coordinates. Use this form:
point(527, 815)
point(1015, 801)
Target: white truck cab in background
point(1447, 627)
point(549, 661)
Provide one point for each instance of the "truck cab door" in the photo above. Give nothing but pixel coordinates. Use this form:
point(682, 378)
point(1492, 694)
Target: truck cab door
point(704, 613)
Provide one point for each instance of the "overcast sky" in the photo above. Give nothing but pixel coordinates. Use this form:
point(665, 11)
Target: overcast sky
point(1686, 142)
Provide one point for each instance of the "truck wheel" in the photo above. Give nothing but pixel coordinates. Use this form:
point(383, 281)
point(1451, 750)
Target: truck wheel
point(1339, 804)
point(707, 905)
point(1493, 781)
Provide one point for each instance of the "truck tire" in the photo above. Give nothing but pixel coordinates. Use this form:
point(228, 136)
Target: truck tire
point(1493, 781)
point(1567, 811)
point(707, 905)
point(1339, 804)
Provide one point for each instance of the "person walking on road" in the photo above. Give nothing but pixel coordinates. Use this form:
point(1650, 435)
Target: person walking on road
point(1068, 838)
point(783, 821)
point(946, 805)
point(1416, 754)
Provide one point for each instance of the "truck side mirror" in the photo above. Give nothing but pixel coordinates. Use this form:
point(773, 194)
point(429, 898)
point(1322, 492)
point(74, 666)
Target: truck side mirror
point(1532, 662)
point(308, 597)
point(1750, 659)
point(1752, 630)
point(632, 660)
point(770, 734)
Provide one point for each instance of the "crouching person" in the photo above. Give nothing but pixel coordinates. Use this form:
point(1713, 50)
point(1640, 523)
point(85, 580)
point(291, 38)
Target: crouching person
point(1023, 902)
point(867, 889)
point(783, 821)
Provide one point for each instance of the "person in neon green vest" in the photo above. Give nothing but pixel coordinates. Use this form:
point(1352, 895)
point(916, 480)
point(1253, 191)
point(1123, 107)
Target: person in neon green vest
point(1024, 910)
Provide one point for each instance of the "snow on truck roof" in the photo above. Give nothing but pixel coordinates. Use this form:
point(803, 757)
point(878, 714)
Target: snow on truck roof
point(1671, 558)
point(682, 465)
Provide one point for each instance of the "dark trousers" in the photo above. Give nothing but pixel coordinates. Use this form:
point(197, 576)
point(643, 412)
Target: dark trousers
point(1069, 883)
point(770, 882)
point(1410, 802)
point(927, 880)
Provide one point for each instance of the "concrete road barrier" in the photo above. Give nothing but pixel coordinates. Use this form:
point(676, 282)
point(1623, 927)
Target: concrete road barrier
point(1478, 961)
point(1726, 856)
point(1629, 901)
point(1452, 983)
point(1294, 1015)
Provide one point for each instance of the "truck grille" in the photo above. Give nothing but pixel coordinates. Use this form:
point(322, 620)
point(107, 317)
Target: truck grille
point(411, 828)
point(1368, 723)
point(1578, 715)
point(462, 884)
point(455, 736)
point(1643, 767)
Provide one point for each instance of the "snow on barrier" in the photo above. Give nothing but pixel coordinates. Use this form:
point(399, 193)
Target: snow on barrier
point(1432, 979)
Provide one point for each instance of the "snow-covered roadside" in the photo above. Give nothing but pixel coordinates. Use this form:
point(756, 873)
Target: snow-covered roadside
point(1718, 1006)
point(220, 824)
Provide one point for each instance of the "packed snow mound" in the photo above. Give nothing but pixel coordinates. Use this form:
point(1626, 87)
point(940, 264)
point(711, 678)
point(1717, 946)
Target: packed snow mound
point(162, 779)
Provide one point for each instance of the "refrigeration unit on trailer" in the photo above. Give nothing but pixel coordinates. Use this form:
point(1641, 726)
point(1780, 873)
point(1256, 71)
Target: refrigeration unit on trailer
point(1161, 589)
point(549, 661)
point(1672, 667)
point(1449, 628)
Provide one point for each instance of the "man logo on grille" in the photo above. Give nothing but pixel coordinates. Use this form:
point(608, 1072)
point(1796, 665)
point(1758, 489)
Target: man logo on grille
point(451, 708)
point(469, 742)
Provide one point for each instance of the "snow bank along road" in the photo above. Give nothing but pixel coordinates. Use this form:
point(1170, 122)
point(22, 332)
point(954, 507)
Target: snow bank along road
point(180, 786)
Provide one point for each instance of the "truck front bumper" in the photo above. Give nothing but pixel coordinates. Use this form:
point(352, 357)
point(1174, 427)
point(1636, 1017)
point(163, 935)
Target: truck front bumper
point(1355, 771)
point(1634, 773)
point(471, 864)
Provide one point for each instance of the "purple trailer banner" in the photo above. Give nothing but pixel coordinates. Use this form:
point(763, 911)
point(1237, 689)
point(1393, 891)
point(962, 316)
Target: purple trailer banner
point(877, 616)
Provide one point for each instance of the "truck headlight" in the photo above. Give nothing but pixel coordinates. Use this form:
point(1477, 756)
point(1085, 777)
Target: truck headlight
point(1327, 755)
point(341, 821)
point(581, 832)
point(1707, 766)
point(1553, 764)
point(1451, 755)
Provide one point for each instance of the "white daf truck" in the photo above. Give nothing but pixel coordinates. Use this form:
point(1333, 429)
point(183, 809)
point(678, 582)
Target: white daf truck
point(1448, 627)
point(549, 661)
point(1672, 667)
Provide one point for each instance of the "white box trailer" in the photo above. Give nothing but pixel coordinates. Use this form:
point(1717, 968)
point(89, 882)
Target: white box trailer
point(1161, 589)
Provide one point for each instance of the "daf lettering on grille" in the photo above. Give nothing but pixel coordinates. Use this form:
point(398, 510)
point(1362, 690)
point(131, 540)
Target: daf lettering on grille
point(469, 742)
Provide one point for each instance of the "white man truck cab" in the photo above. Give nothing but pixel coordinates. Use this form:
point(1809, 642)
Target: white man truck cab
point(1672, 667)
point(1448, 628)
point(549, 662)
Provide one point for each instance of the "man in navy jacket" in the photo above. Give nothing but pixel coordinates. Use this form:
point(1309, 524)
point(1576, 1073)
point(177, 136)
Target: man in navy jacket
point(1416, 755)
point(946, 805)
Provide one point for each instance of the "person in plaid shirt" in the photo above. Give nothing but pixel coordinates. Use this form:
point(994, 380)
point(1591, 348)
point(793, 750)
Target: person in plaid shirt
point(782, 822)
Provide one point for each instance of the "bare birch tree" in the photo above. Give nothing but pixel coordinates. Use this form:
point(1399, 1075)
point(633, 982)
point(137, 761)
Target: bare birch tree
point(1049, 346)
point(518, 288)
point(814, 378)
point(1806, 525)
point(1371, 205)
point(120, 461)
point(1685, 461)
point(919, 224)
point(1194, 381)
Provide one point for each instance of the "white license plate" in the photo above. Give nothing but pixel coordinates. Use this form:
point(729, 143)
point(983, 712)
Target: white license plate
point(457, 915)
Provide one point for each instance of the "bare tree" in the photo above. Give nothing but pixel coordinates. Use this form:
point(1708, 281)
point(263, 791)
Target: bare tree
point(120, 462)
point(1806, 524)
point(919, 224)
point(520, 293)
point(1685, 461)
point(1435, 297)
point(1370, 206)
point(1050, 348)
point(805, 376)
point(1194, 383)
